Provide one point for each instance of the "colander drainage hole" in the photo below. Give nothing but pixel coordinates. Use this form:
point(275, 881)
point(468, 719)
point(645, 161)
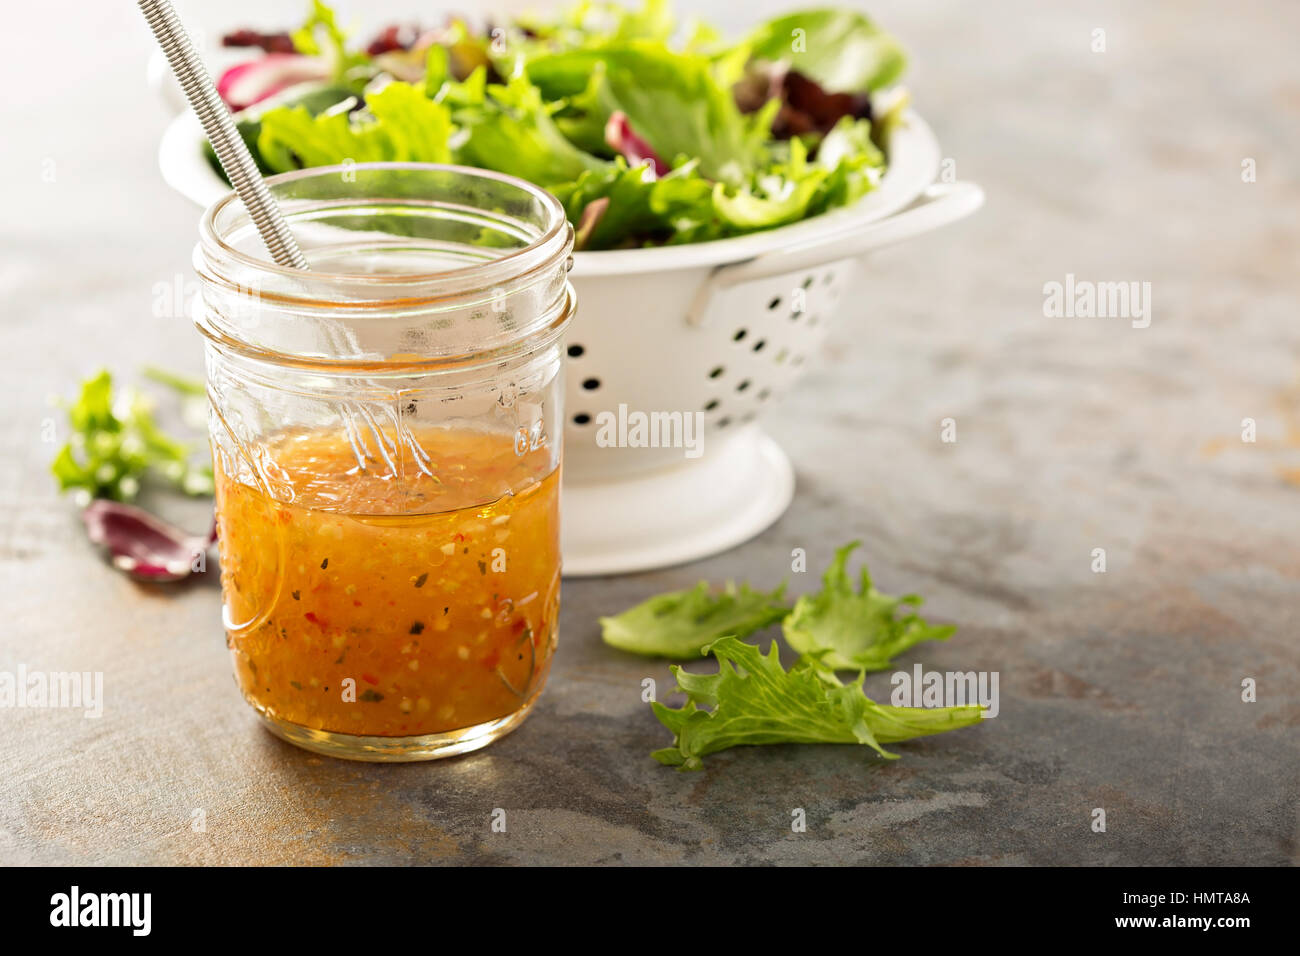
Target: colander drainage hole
point(743, 385)
point(807, 282)
point(582, 418)
point(711, 404)
point(758, 346)
point(591, 384)
point(764, 394)
point(774, 304)
point(740, 334)
point(575, 351)
point(723, 422)
point(716, 371)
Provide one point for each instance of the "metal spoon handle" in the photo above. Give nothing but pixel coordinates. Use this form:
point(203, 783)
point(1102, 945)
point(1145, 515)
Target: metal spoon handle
point(229, 146)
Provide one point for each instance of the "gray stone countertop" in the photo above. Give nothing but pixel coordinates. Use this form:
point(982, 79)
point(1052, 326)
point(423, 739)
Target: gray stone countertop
point(1119, 690)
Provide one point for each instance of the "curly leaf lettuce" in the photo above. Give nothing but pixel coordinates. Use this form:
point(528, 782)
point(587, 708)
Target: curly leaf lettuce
point(400, 124)
point(752, 700)
point(862, 630)
point(510, 129)
point(631, 201)
point(598, 23)
point(675, 101)
point(679, 624)
point(841, 49)
point(321, 35)
point(115, 442)
point(598, 84)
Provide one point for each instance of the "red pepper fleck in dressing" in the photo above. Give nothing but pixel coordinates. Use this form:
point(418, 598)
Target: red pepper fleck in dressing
point(392, 605)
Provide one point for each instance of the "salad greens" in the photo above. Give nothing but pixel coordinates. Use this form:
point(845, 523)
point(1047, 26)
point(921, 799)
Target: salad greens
point(676, 102)
point(320, 35)
point(406, 124)
point(856, 631)
point(680, 623)
point(840, 49)
point(115, 444)
point(839, 628)
point(648, 131)
point(752, 700)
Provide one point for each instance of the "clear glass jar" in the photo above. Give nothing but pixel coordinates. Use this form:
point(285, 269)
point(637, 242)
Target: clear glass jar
point(386, 433)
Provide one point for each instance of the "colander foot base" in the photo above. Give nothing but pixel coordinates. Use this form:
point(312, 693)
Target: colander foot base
point(680, 514)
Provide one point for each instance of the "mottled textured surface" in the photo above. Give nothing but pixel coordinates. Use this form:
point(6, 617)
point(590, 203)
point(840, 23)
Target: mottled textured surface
point(1119, 690)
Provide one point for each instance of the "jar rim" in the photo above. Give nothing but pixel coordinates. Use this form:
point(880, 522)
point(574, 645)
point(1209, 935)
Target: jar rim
point(556, 227)
point(539, 338)
point(428, 314)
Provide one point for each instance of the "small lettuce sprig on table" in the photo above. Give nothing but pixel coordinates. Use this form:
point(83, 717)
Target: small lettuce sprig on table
point(859, 631)
point(116, 442)
point(754, 701)
point(680, 623)
point(751, 699)
point(116, 446)
point(837, 627)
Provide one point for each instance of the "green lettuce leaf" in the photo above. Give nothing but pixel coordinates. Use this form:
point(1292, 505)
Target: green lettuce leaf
point(631, 205)
point(547, 123)
point(400, 124)
point(509, 128)
point(674, 101)
point(752, 700)
point(437, 69)
point(841, 49)
point(779, 196)
point(680, 623)
point(855, 162)
point(684, 206)
point(862, 631)
point(599, 22)
point(313, 97)
point(582, 116)
point(791, 189)
point(321, 35)
point(116, 442)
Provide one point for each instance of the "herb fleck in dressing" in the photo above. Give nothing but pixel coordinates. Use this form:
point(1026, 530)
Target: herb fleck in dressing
point(399, 584)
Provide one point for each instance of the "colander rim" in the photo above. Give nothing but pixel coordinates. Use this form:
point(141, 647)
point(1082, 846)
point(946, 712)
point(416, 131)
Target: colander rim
point(914, 164)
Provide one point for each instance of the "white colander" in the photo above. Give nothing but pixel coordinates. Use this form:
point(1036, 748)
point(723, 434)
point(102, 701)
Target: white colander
point(721, 328)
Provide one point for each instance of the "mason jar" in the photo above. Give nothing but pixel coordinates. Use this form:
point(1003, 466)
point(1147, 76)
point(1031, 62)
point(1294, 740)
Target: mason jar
point(386, 432)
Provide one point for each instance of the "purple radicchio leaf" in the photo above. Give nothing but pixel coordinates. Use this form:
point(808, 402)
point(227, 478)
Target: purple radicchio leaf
point(624, 140)
point(143, 545)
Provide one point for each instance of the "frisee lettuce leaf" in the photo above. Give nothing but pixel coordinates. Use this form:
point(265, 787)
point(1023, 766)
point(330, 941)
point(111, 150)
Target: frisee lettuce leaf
point(592, 23)
point(680, 623)
point(638, 203)
point(752, 700)
point(116, 441)
point(400, 124)
point(510, 129)
point(674, 101)
point(841, 49)
point(863, 630)
point(321, 35)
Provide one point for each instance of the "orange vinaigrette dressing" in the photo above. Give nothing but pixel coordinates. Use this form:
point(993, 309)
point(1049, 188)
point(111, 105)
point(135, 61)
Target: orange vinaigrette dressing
point(437, 594)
